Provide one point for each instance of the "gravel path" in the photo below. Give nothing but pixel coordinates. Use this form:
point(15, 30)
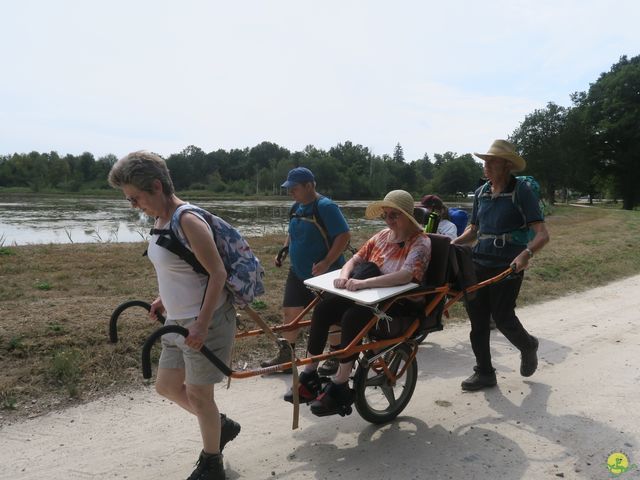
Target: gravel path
point(564, 422)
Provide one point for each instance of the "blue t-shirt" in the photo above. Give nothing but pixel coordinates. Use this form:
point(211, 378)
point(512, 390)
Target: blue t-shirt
point(495, 216)
point(306, 244)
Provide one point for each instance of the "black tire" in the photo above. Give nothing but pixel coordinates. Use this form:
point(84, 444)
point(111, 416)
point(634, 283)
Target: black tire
point(376, 399)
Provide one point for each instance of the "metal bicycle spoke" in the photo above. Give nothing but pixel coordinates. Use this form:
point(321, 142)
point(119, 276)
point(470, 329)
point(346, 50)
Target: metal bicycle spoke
point(377, 381)
point(389, 394)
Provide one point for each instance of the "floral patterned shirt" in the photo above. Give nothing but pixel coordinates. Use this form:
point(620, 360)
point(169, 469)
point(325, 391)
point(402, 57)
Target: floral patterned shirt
point(413, 254)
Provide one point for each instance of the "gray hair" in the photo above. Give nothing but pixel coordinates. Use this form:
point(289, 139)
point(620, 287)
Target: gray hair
point(140, 169)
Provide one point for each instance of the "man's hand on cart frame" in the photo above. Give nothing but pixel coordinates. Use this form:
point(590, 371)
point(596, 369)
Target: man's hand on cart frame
point(282, 255)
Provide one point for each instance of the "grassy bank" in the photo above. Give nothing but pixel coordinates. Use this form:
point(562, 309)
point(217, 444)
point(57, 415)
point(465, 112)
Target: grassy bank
point(56, 300)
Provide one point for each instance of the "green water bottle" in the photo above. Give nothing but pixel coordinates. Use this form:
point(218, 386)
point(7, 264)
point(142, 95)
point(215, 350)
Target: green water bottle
point(432, 223)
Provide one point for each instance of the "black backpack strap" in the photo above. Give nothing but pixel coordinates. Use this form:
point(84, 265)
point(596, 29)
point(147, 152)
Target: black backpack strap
point(168, 239)
point(313, 218)
point(323, 227)
point(516, 201)
point(316, 215)
point(292, 210)
point(316, 218)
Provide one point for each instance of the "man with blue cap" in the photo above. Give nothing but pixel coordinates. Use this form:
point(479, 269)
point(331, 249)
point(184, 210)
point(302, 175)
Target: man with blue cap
point(317, 237)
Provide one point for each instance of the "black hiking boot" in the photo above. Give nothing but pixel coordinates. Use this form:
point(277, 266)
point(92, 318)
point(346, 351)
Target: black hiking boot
point(479, 380)
point(335, 398)
point(309, 385)
point(228, 430)
point(208, 467)
point(529, 359)
point(283, 356)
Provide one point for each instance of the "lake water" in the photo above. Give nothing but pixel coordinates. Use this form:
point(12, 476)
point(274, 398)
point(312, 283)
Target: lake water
point(53, 219)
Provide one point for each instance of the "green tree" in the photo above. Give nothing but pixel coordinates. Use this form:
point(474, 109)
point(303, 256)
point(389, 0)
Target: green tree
point(613, 113)
point(442, 158)
point(459, 174)
point(398, 154)
point(582, 172)
point(181, 170)
point(401, 176)
point(85, 167)
point(356, 164)
point(540, 141)
point(424, 167)
point(101, 170)
point(58, 170)
point(263, 159)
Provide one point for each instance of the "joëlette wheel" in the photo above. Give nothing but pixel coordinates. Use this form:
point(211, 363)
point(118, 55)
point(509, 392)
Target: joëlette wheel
point(379, 398)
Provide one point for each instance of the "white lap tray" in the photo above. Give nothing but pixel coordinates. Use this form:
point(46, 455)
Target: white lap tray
point(368, 296)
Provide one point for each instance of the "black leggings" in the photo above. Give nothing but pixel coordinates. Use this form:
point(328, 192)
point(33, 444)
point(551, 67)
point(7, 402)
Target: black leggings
point(335, 310)
point(497, 301)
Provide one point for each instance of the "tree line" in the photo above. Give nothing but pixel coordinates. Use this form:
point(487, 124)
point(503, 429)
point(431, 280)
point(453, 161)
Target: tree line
point(346, 171)
point(591, 147)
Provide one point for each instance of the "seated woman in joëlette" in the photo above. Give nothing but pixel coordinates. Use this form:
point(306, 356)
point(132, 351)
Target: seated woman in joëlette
point(401, 252)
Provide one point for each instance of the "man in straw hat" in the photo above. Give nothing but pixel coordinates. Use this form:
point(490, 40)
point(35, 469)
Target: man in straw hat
point(499, 209)
point(398, 254)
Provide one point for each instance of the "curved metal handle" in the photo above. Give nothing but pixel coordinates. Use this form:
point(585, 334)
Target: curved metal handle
point(113, 322)
point(146, 350)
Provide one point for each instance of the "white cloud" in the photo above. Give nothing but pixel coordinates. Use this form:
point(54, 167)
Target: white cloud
point(118, 76)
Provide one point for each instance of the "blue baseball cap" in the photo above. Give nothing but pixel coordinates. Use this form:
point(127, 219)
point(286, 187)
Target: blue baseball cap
point(298, 175)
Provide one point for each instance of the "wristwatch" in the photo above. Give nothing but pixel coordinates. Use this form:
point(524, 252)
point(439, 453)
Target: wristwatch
point(529, 251)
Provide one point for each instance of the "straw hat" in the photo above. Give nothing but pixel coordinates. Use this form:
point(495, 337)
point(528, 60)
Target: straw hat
point(506, 150)
point(398, 199)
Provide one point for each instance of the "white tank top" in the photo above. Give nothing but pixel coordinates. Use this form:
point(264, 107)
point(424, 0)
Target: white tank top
point(181, 289)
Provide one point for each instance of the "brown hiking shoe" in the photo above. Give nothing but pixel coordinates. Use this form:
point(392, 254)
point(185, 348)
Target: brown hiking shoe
point(283, 356)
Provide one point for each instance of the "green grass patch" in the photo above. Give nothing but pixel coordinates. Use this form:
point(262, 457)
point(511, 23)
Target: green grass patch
point(15, 343)
point(66, 370)
point(259, 305)
point(8, 401)
point(55, 327)
point(43, 286)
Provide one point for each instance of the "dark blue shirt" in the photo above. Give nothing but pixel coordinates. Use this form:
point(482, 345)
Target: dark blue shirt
point(500, 215)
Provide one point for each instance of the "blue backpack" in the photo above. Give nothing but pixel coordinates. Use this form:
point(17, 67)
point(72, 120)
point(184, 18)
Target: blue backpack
point(459, 218)
point(244, 272)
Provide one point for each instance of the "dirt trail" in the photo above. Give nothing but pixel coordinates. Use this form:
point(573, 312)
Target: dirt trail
point(564, 422)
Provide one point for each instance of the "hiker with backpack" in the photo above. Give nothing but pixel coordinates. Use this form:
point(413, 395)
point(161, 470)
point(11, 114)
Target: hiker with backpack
point(194, 300)
point(434, 205)
point(509, 227)
point(317, 237)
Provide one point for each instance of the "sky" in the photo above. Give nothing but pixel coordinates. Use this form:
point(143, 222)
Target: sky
point(117, 76)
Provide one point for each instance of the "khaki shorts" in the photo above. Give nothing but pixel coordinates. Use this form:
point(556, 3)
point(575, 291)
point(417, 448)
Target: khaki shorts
point(199, 370)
